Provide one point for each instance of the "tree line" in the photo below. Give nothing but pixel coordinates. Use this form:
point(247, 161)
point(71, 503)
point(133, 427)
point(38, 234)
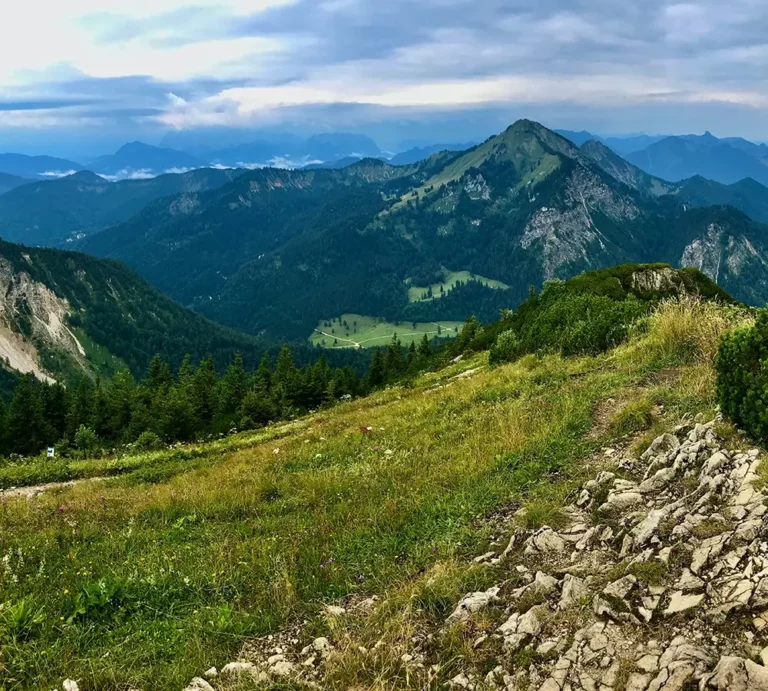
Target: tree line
point(190, 403)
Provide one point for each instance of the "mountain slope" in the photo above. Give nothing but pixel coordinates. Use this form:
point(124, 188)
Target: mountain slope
point(40, 167)
point(747, 195)
point(277, 251)
point(9, 182)
point(54, 211)
point(139, 159)
point(65, 314)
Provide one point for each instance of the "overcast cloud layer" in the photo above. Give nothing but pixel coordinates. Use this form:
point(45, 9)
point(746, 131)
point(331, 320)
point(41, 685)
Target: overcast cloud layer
point(95, 70)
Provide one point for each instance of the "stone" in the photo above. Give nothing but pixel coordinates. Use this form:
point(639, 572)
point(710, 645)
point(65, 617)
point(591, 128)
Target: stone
point(688, 582)
point(574, 589)
point(737, 674)
point(461, 681)
point(682, 603)
point(472, 602)
point(545, 540)
point(235, 668)
point(71, 685)
point(283, 668)
point(544, 584)
point(197, 684)
point(334, 611)
point(211, 673)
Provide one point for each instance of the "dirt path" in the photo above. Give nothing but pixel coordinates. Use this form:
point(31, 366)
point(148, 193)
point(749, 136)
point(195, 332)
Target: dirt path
point(35, 490)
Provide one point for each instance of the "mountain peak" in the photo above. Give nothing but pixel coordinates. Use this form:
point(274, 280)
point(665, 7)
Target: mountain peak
point(87, 176)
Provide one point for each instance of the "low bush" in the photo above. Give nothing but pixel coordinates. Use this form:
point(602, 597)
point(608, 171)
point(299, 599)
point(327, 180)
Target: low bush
point(742, 376)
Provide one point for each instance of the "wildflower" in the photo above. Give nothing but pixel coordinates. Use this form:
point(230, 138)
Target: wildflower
point(61, 508)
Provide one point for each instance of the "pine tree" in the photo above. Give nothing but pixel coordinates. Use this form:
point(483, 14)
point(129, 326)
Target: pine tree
point(377, 372)
point(232, 389)
point(203, 392)
point(24, 425)
point(263, 376)
point(425, 347)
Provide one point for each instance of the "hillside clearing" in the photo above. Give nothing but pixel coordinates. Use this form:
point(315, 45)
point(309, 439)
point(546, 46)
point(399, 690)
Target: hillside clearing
point(359, 331)
point(416, 293)
point(175, 569)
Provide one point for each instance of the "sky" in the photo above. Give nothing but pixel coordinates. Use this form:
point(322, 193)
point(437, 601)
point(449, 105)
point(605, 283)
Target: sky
point(85, 75)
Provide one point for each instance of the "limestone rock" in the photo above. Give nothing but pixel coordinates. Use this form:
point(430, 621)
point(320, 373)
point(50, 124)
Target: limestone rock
point(737, 674)
point(197, 684)
point(470, 603)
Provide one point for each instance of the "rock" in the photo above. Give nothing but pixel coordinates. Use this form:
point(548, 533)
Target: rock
point(470, 603)
point(544, 584)
point(71, 685)
point(334, 611)
point(682, 603)
point(283, 669)
point(574, 589)
point(737, 674)
point(647, 528)
point(688, 582)
point(709, 549)
point(545, 540)
point(236, 668)
point(764, 657)
point(322, 645)
point(211, 673)
point(462, 681)
point(197, 684)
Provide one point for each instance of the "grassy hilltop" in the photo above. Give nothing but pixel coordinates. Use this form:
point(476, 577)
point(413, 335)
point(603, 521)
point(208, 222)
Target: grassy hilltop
point(165, 564)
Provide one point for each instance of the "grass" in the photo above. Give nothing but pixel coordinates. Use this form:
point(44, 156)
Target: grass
point(359, 331)
point(451, 278)
point(148, 580)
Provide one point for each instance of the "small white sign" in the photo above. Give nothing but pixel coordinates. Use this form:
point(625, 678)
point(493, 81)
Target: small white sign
point(51, 452)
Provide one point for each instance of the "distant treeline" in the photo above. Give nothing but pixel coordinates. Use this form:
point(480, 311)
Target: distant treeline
point(193, 402)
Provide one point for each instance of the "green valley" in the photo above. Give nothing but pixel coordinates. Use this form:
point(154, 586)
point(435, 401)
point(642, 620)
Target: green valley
point(358, 331)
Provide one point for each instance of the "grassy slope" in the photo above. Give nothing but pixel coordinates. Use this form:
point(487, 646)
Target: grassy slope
point(416, 293)
point(172, 575)
point(371, 332)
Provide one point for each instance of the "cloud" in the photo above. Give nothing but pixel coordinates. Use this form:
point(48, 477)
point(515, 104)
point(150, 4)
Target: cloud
point(255, 63)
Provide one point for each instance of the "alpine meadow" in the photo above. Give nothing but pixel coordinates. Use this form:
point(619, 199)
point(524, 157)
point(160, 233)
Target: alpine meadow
point(403, 346)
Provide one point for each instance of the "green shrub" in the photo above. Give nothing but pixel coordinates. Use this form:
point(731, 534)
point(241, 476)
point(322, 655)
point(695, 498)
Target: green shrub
point(572, 323)
point(742, 376)
point(85, 439)
point(505, 349)
point(148, 441)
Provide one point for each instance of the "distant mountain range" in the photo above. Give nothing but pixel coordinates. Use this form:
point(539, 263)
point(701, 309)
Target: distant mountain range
point(142, 160)
point(621, 145)
point(274, 251)
point(721, 160)
point(36, 167)
point(55, 212)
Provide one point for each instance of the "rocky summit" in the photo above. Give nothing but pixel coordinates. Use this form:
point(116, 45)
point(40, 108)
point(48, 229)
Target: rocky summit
point(659, 581)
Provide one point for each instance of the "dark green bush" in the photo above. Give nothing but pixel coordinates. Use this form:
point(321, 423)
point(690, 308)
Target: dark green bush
point(571, 322)
point(742, 376)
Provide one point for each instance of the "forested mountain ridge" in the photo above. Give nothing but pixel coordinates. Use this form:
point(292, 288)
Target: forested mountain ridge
point(66, 315)
point(53, 212)
point(275, 251)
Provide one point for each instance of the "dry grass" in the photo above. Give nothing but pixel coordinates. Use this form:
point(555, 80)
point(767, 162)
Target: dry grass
point(683, 331)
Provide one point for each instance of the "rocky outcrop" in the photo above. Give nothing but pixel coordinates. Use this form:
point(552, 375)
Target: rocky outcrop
point(658, 582)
